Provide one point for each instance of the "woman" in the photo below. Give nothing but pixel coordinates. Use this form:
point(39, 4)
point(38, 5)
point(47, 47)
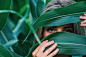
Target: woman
point(39, 51)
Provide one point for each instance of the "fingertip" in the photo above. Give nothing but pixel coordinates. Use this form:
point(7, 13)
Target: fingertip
point(46, 40)
point(81, 25)
point(57, 50)
point(52, 41)
point(56, 44)
point(81, 17)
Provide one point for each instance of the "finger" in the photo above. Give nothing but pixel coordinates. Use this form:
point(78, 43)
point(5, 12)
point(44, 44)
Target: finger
point(36, 50)
point(53, 53)
point(83, 17)
point(43, 46)
point(50, 49)
point(83, 22)
point(83, 25)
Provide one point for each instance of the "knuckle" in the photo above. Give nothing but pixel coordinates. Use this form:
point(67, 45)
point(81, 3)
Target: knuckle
point(44, 46)
point(44, 41)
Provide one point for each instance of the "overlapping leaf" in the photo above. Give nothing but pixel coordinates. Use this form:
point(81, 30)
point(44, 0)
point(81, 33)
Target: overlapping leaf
point(79, 0)
point(3, 17)
point(16, 6)
point(68, 43)
point(40, 7)
point(61, 16)
point(4, 52)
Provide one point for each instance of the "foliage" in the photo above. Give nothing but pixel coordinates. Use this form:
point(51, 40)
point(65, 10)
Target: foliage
point(19, 18)
point(74, 45)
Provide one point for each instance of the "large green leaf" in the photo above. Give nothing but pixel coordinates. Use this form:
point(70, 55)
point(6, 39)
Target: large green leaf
point(40, 7)
point(3, 17)
point(61, 16)
point(33, 4)
point(68, 43)
point(20, 24)
point(17, 6)
point(79, 0)
point(37, 7)
point(10, 41)
point(4, 52)
point(7, 37)
point(15, 55)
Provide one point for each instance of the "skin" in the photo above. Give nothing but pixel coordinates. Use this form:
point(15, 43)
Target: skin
point(39, 51)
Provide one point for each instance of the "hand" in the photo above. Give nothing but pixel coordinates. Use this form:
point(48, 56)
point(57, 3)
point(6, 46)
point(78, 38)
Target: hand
point(83, 23)
point(39, 51)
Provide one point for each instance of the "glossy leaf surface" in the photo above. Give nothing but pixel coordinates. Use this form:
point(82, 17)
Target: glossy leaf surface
point(3, 16)
point(61, 16)
point(4, 52)
point(70, 44)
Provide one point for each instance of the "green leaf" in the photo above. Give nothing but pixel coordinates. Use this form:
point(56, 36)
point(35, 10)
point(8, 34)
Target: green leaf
point(22, 49)
point(32, 29)
point(6, 36)
point(33, 4)
point(70, 44)
point(17, 30)
point(40, 6)
point(10, 41)
point(3, 17)
point(76, 56)
point(62, 16)
point(24, 8)
point(4, 52)
point(16, 6)
point(15, 55)
point(10, 23)
point(79, 0)
point(11, 11)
